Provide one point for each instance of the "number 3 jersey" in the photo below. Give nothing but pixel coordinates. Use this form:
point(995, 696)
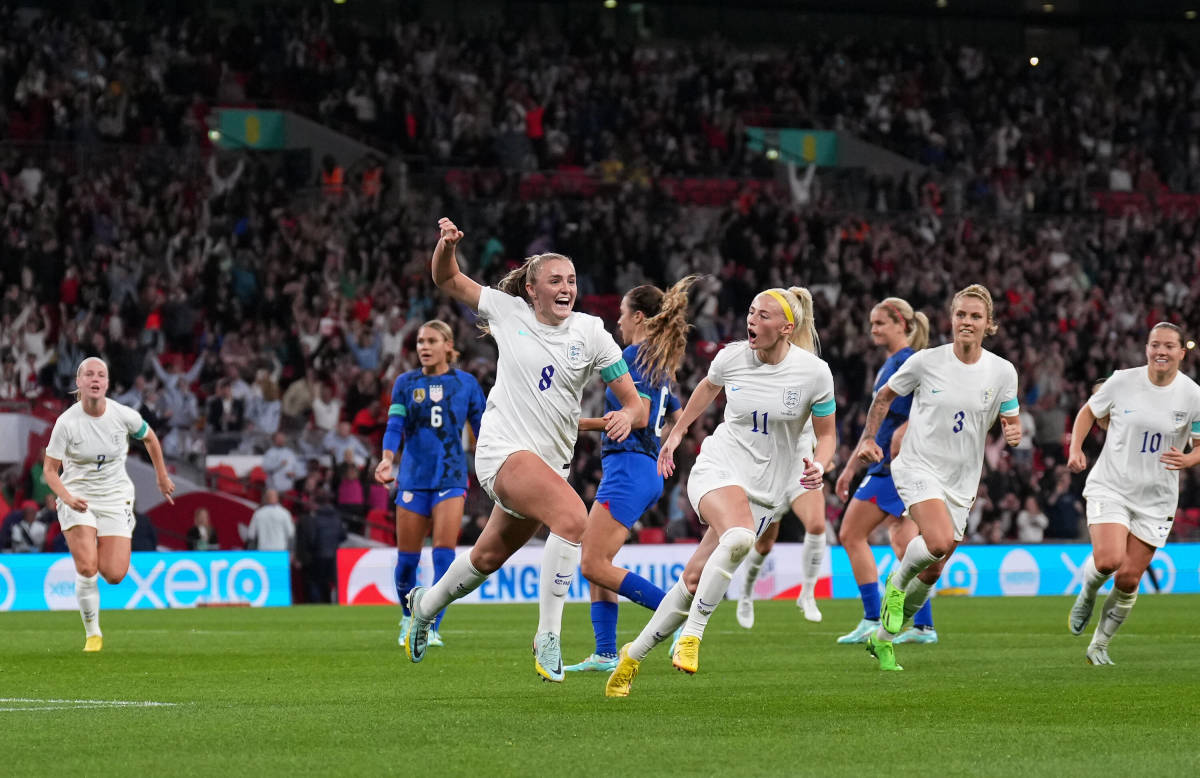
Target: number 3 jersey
point(954, 406)
point(540, 375)
point(1144, 421)
point(663, 403)
point(92, 450)
point(762, 434)
point(434, 409)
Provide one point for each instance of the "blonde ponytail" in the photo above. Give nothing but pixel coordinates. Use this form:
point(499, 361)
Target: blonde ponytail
point(915, 323)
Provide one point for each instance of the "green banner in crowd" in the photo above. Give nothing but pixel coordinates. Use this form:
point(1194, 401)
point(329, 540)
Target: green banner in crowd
point(250, 129)
point(803, 147)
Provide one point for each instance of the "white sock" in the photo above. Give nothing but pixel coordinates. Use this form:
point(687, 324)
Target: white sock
point(1116, 607)
point(1093, 579)
point(915, 595)
point(916, 558)
point(754, 563)
point(461, 579)
point(718, 571)
point(87, 594)
point(812, 560)
point(560, 560)
point(671, 612)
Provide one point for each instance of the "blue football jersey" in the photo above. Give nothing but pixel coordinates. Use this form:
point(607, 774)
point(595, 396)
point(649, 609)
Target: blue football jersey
point(662, 404)
point(434, 409)
point(897, 414)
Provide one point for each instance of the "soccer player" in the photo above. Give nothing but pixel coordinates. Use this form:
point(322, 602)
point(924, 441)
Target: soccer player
point(902, 332)
point(1132, 493)
point(430, 406)
point(89, 443)
point(527, 435)
point(807, 504)
point(741, 480)
point(654, 325)
point(958, 391)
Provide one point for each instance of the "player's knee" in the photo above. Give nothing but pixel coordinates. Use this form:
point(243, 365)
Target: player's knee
point(85, 570)
point(939, 545)
point(1127, 580)
point(737, 541)
point(815, 528)
point(113, 578)
point(1108, 562)
point(487, 561)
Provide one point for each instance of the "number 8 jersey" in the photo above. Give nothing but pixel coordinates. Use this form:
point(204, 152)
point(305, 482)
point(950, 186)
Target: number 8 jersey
point(1144, 421)
point(540, 374)
point(761, 436)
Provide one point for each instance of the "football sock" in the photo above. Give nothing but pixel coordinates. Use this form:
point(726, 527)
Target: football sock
point(754, 563)
point(639, 590)
point(442, 557)
point(1116, 607)
point(916, 596)
point(560, 560)
point(871, 601)
point(604, 625)
point(924, 617)
point(813, 559)
point(916, 558)
point(406, 575)
point(733, 547)
point(1093, 579)
point(461, 579)
point(671, 612)
point(87, 594)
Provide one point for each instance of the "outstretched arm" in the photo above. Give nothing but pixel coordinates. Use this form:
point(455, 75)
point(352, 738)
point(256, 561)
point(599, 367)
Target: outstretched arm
point(446, 274)
point(701, 398)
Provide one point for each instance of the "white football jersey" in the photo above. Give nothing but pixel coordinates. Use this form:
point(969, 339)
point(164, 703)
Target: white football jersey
point(954, 406)
point(92, 450)
point(540, 374)
point(1144, 421)
point(767, 408)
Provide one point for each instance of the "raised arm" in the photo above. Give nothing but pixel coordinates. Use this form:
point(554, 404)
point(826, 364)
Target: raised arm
point(706, 391)
point(446, 274)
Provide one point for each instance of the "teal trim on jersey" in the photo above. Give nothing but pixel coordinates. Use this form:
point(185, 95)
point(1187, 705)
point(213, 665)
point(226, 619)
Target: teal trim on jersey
point(1009, 405)
point(1195, 428)
point(142, 430)
point(396, 409)
point(645, 396)
point(614, 371)
point(824, 409)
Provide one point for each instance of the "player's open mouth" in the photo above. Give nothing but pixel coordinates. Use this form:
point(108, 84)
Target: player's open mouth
point(751, 335)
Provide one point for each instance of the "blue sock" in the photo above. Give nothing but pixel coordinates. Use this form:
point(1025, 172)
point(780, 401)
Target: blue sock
point(924, 617)
point(406, 576)
point(604, 624)
point(869, 593)
point(641, 591)
point(442, 557)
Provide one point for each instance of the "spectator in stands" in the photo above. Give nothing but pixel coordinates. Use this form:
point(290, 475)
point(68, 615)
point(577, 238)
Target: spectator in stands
point(28, 534)
point(145, 537)
point(282, 464)
point(298, 399)
point(202, 535)
point(319, 535)
point(226, 414)
point(326, 409)
point(271, 526)
point(343, 446)
point(1031, 522)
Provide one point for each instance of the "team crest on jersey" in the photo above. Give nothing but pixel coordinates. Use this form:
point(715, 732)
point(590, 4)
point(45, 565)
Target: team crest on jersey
point(435, 393)
point(791, 399)
point(1180, 416)
point(118, 438)
point(419, 395)
point(575, 353)
point(988, 396)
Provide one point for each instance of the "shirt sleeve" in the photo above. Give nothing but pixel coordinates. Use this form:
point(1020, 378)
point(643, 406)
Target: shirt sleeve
point(823, 401)
point(135, 425)
point(495, 306)
point(57, 447)
point(1009, 405)
point(608, 359)
point(908, 377)
point(672, 403)
point(1102, 401)
point(719, 366)
point(630, 355)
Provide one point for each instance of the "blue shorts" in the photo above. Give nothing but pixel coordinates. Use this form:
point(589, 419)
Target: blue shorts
point(421, 501)
point(880, 490)
point(630, 485)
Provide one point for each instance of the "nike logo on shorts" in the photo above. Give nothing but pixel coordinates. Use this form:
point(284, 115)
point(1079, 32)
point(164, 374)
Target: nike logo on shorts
point(444, 493)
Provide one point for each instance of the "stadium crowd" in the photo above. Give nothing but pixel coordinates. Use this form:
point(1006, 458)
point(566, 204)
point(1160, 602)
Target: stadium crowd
point(237, 317)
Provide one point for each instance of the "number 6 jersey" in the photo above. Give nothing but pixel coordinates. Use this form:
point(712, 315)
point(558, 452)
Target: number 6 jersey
point(540, 375)
point(954, 406)
point(1144, 421)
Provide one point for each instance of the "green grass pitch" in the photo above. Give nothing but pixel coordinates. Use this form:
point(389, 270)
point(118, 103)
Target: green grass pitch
point(326, 691)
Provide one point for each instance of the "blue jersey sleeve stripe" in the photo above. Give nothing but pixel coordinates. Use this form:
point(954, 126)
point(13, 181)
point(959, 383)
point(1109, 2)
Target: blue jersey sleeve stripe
point(824, 409)
point(614, 371)
point(396, 409)
point(142, 430)
point(1009, 405)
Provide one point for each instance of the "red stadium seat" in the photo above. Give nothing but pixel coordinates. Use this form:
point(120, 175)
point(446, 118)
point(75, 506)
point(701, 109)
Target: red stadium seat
point(652, 535)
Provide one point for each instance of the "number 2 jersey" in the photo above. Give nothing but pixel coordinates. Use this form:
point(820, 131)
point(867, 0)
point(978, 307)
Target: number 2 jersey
point(540, 374)
point(954, 405)
point(432, 411)
point(93, 449)
point(663, 403)
point(1144, 421)
point(762, 434)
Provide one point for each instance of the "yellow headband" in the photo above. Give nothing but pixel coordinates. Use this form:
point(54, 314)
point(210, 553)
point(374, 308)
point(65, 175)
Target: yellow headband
point(783, 303)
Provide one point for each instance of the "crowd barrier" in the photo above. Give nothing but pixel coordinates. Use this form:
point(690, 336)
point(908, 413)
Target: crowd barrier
point(35, 582)
point(365, 576)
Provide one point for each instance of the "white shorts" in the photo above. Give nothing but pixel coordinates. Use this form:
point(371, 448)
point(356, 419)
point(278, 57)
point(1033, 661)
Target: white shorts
point(488, 464)
point(1152, 530)
point(707, 476)
point(112, 518)
point(918, 484)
